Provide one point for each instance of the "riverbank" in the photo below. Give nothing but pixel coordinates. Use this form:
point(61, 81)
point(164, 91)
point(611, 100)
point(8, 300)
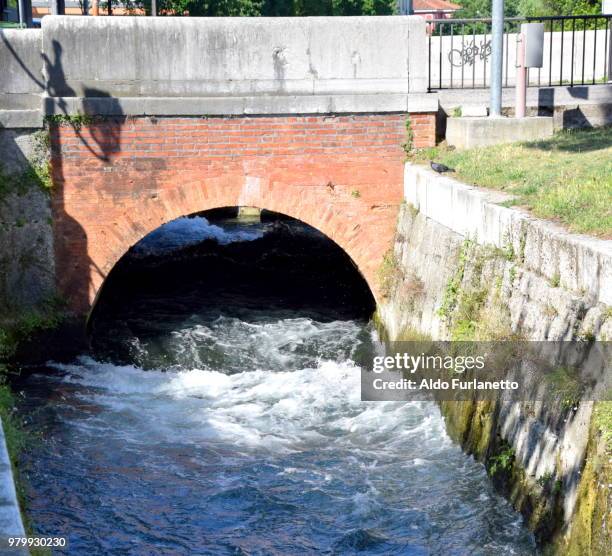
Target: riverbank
point(464, 268)
point(24, 334)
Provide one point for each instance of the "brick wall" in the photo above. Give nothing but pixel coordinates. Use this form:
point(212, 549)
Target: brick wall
point(424, 130)
point(118, 179)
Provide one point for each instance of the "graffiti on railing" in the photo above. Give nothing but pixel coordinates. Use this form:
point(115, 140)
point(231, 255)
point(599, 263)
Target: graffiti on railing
point(466, 56)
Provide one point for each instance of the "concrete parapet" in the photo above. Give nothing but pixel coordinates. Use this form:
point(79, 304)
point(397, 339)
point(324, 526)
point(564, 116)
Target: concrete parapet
point(234, 57)
point(578, 263)
point(21, 79)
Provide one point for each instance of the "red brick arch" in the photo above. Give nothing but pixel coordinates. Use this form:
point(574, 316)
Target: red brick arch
point(117, 180)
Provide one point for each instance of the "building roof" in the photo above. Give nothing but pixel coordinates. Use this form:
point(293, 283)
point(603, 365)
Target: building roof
point(434, 6)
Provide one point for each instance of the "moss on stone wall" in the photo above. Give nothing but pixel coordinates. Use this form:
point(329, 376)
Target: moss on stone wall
point(472, 306)
point(37, 172)
point(474, 425)
point(19, 326)
point(591, 529)
point(474, 310)
point(388, 273)
point(475, 306)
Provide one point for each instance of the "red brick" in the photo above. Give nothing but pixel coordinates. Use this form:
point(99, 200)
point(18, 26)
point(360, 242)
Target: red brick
point(119, 179)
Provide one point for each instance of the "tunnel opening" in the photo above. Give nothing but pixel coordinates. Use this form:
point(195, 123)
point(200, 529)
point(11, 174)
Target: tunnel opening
point(233, 263)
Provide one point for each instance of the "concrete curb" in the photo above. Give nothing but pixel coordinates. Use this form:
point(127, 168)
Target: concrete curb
point(10, 516)
point(21, 119)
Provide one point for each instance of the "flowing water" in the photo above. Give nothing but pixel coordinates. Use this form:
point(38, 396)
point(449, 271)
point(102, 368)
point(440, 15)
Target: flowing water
point(219, 412)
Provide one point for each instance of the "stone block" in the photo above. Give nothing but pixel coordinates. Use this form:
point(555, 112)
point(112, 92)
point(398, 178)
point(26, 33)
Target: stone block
point(467, 133)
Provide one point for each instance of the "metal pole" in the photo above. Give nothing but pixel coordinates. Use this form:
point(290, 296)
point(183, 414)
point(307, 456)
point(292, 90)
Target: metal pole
point(405, 7)
point(606, 10)
point(497, 59)
point(153, 7)
point(58, 7)
point(21, 13)
point(25, 13)
point(609, 51)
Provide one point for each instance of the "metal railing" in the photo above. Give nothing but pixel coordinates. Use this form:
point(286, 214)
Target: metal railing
point(576, 51)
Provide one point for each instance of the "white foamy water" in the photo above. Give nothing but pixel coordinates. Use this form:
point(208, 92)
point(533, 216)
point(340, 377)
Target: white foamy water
point(252, 439)
point(258, 409)
point(237, 426)
point(191, 230)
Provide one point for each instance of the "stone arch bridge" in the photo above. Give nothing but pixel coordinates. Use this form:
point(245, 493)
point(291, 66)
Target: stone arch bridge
point(155, 118)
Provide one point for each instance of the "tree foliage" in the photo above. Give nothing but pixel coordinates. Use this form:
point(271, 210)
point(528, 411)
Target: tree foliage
point(482, 8)
point(288, 8)
point(284, 8)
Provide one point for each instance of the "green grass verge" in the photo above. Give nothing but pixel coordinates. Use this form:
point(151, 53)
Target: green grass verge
point(567, 178)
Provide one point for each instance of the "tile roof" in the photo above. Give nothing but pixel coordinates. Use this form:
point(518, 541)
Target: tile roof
point(434, 5)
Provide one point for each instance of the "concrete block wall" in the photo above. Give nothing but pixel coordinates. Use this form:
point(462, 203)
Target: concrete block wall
point(580, 263)
point(542, 283)
point(21, 78)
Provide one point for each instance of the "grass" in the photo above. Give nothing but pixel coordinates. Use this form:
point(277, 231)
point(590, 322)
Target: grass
point(567, 178)
point(567, 387)
point(503, 461)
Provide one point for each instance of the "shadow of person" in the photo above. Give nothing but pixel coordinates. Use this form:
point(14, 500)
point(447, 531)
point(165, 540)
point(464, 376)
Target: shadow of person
point(56, 84)
point(104, 132)
point(104, 116)
point(96, 119)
